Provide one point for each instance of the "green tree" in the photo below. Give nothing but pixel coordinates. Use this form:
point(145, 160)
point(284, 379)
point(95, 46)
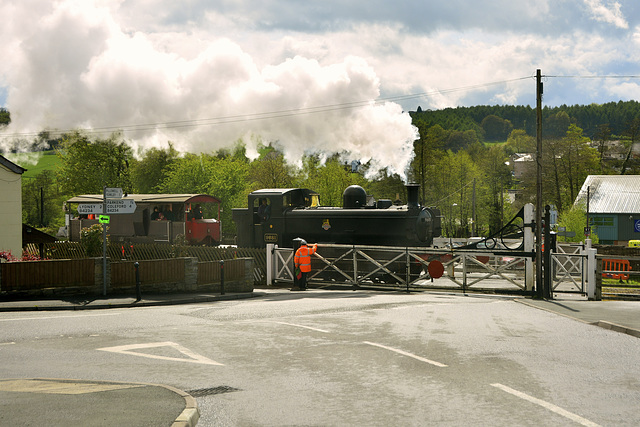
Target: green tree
point(496, 128)
point(270, 170)
point(556, 125)
point(458, 140)
point(519, 142)
point(575, 219)
point(577, 160)
point(428, 148)
point(603, 134)
point(224, 178)
point(329, 179)
point(38, 193)
point(496, 179)
point(632, 132)
point(5, 117)
point(452, 191)
point(89, 166)
point(150, 171)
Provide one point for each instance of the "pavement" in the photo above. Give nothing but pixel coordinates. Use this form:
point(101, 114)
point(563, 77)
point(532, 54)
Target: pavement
point(68, 402)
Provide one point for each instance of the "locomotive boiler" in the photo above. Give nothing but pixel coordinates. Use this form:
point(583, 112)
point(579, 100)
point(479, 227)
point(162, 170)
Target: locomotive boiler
point(280, 215)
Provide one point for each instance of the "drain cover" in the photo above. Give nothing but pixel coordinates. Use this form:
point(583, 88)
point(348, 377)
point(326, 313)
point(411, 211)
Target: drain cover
point(200, 392)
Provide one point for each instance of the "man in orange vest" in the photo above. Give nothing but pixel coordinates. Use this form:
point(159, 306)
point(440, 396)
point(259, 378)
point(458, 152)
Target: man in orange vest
point(302, 261)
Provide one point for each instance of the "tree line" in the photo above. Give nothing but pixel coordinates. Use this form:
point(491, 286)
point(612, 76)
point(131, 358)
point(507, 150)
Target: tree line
point(463, 162)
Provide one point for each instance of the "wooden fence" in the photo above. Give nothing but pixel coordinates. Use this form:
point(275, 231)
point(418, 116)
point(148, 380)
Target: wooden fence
point(33, 275)
point(155, 251)
point(123, 274)
point(85, 276)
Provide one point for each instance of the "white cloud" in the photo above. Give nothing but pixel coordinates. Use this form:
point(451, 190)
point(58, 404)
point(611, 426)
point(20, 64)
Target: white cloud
point(81, 69)
point(116, 63)
point(611, 14)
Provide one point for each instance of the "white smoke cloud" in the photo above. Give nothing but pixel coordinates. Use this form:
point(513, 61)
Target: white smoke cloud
point(75, 66)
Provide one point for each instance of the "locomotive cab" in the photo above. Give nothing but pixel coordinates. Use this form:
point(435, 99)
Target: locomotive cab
point(263, 220)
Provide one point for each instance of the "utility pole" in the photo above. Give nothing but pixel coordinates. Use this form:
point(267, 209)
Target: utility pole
point(539, 281)
point(474, 227)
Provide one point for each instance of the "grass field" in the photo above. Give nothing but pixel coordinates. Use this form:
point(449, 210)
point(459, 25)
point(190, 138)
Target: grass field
point(35, 162)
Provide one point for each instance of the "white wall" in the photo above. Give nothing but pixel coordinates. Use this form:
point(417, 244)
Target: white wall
point(10, 212)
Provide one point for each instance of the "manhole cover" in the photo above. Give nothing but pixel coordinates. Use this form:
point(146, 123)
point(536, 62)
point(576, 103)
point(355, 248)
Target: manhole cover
point(200, 392)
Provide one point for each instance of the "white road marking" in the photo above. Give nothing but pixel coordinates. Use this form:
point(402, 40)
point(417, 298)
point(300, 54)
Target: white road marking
point(404, 353)
point(193, 357)
point(546, 405)
point(302, 326)
point(58, 317)
point(60, 387)
point(7, 343)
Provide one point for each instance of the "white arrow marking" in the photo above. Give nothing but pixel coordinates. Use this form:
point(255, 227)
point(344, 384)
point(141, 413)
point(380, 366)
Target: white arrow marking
point(194, 357)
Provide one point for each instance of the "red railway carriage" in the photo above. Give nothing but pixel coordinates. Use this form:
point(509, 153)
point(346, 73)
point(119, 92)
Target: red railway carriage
point(157, 218)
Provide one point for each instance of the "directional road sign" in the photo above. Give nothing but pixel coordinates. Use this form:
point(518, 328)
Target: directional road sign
point(114, 206)
point(89, 208)
point(121, 206)
point(113, 193)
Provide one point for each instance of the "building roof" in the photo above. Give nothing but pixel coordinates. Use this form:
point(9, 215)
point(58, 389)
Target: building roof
point(11, 166)
point(611, 194)
point(150, 198)
point(33, 235)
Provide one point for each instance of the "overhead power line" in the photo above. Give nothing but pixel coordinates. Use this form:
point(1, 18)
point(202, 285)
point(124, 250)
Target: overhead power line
point(270, 115)
point(267, 115)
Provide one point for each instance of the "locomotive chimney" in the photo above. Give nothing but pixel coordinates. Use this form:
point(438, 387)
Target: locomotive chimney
point(413, 193)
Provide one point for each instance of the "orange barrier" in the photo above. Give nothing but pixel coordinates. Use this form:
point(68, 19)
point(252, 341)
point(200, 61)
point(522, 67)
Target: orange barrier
point(615, 266)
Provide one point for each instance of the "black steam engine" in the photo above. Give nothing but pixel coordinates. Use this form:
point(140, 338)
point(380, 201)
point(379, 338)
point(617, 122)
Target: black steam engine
point(280, 215)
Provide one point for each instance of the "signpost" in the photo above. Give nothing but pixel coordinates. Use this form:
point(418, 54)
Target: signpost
point(112, 204)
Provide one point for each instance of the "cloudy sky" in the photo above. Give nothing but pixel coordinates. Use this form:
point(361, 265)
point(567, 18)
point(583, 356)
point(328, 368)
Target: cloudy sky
point(330, 76)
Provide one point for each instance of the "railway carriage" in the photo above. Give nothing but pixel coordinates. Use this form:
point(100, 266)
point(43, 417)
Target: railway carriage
point(196, 216)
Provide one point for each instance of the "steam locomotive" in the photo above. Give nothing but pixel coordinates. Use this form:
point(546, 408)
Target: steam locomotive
point(280, 215)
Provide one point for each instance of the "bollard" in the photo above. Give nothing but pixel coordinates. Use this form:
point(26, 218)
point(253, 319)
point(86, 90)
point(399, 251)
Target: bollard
point(138, 294)
point(221, 277)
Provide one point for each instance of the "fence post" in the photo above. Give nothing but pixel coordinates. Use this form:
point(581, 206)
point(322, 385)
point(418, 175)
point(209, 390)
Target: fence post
point(547, 282)
point(221, 277)
point(529, 246)
point(599, 280)
point(591, 273)
point(138, 292)
point(270, 251)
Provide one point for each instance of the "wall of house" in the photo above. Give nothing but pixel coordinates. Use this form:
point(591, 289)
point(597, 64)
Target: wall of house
point(626, 227)
point(615, 229)
point(10, 212)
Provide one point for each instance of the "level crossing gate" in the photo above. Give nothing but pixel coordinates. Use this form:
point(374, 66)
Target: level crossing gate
point(407, 268)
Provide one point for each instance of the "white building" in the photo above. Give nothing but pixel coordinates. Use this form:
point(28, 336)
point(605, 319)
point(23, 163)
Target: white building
point(11, 207)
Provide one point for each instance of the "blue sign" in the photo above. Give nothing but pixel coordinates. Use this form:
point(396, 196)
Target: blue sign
point(636, 225)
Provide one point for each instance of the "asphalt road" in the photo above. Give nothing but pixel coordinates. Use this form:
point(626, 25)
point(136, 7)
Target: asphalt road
point(345, 358)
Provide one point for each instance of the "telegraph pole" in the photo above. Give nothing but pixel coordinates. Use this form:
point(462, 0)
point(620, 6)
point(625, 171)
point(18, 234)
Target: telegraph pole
point(539, 281)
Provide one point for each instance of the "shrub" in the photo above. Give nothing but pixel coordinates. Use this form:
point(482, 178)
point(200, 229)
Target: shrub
point(91, 240)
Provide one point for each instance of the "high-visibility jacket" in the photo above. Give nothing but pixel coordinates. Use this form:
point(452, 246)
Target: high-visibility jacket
point(302, 257)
